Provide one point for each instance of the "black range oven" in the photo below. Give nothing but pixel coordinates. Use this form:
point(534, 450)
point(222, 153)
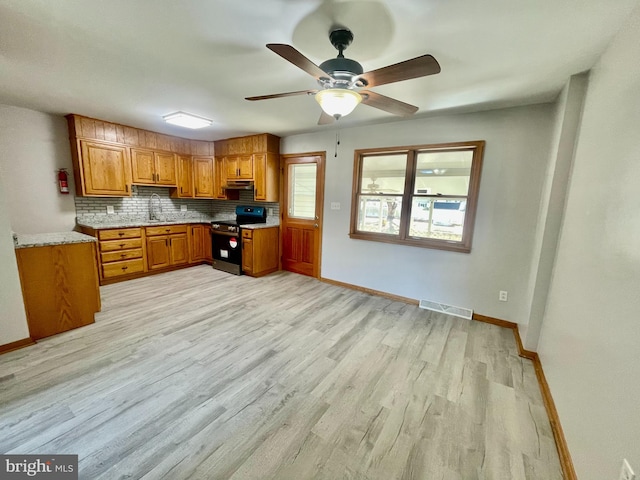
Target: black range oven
point(226, 238)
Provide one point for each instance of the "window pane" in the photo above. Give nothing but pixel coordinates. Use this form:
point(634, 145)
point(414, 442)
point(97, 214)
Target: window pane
point(445, 173)
point(438, 218)
point(380, 214)
point(302, 194)
point(383, 174)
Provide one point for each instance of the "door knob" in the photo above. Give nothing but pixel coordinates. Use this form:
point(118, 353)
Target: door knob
point(315, 225)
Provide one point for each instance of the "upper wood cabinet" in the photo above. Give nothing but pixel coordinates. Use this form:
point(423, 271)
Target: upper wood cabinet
point(185, 177)
point(101, 169)
point(255, 157)
point(266, 184)
point(153, 168)
point(108, 158)
point(203, 177)
point(238, 167)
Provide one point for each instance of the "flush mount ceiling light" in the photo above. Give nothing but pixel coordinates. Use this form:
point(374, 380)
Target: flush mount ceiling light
point(338, 102)
point(187, 120)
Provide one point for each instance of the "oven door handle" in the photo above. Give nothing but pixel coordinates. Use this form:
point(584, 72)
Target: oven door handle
point(225, 234)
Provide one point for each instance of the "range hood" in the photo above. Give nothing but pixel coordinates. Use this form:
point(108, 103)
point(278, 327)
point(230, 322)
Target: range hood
point(239, 185)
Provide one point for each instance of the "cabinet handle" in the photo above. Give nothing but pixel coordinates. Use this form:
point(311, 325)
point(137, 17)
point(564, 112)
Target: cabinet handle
point(180, 189)
point(123, 255)
point(122, 245)
point(166, 242)
point(126, 188)
point(121, 233)
point(124, 268)
point(196, 190)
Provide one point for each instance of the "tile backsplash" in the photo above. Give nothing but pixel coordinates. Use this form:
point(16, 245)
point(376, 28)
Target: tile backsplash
point(138, 204)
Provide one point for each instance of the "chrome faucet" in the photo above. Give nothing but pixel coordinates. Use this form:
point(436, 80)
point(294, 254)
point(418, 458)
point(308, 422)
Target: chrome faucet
point(152, 213)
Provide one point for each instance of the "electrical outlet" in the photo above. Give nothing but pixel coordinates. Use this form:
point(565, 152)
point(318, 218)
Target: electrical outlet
point(183, 208)
point(503, 296)
point(626, 473)
point(110, 209)
point(335, 205)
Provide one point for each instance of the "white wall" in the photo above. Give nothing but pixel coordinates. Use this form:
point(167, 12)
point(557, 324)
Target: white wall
point(13, 320)
point(591, 330)
point(33, 146)
point(515, 162)
point(552, 205)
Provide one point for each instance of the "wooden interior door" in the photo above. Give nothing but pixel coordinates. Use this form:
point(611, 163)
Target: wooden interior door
point(303, 194)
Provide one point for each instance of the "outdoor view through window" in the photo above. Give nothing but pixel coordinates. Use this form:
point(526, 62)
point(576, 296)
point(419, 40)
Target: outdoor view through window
point(419, 196)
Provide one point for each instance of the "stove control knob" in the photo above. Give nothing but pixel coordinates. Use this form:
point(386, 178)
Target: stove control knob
point(215, 225)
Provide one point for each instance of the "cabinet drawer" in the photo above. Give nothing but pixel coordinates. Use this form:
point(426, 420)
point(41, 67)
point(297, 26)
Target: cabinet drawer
point(126, 244)
point(119, 233)
point(247, 233)
point(120, 255)
point(166, 230)
point(126, 267)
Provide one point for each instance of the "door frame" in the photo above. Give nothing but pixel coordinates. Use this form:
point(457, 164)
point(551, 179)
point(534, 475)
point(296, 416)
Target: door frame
point(322, 155)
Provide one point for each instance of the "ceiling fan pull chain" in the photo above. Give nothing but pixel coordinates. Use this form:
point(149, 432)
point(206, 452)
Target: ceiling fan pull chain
point(337, 142)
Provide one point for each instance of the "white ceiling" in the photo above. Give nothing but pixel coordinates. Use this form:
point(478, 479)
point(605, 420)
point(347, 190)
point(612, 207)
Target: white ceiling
point(132, 61)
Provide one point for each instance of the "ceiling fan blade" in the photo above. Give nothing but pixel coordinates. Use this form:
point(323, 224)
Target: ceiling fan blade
point(280, 95)
point(299, 60)
point(414, 68)
point(325, 119)
point(387, 104)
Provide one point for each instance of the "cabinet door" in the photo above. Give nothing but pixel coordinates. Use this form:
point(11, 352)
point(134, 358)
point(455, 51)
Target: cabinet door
point(267, 177)
point(231, 167)
point(203, 176)
point(166, 169)
point(245, 167)
point(207, 241)
point(179, 249)
point(220, 178)
point(185, 176)
point(142, 166)
point(247, 255)
point(260, 182)
point(105, 169)
point(197, 244)
point(158, 252)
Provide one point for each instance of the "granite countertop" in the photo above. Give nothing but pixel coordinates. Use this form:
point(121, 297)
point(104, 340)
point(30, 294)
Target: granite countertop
point(104, 222)
point(47, 239)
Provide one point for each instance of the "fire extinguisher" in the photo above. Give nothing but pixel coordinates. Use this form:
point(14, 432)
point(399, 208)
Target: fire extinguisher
point(63, 183)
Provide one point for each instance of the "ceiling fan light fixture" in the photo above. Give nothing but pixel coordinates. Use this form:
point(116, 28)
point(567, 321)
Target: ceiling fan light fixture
point(187, 120)
point(338, 102)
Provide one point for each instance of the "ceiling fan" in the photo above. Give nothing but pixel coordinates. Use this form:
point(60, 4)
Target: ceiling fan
point(342, 79)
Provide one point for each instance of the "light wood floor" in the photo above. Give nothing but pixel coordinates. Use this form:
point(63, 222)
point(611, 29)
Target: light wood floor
point(204, 375)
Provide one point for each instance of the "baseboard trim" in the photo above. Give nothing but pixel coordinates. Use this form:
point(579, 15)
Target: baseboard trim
point(568, 471)
point(10, 347)
point(370, 291)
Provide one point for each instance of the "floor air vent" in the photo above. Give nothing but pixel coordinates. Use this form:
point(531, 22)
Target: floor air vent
point(448, 309)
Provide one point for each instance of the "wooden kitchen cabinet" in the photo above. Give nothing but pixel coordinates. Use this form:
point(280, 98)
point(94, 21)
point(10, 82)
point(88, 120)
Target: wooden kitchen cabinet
point(196, 252)
point(267, 176)
point(203, 177)
point(238, 167)
point(185, 177)
point(200, 243)
point(121, 252)
point(153, 168)
point(101, 169)
point(260, 249)
point(59, 287)
point(167, 246)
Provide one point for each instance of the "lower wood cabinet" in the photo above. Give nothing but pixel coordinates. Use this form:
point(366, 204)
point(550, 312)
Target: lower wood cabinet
point(125, 253)
point(167, 246)
point(59, 287)
point(121, 252)
point(260, 249)
point(200, 243)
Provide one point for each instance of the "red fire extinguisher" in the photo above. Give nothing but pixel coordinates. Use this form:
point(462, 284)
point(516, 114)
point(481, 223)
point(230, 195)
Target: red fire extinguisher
point(63, 183)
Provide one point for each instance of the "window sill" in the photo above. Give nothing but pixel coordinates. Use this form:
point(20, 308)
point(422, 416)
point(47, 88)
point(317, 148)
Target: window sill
point(433, 244)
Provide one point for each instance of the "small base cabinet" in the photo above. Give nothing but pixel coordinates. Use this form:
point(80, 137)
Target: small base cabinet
point(59, 287)
point(167, 246)
point(260, 248)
